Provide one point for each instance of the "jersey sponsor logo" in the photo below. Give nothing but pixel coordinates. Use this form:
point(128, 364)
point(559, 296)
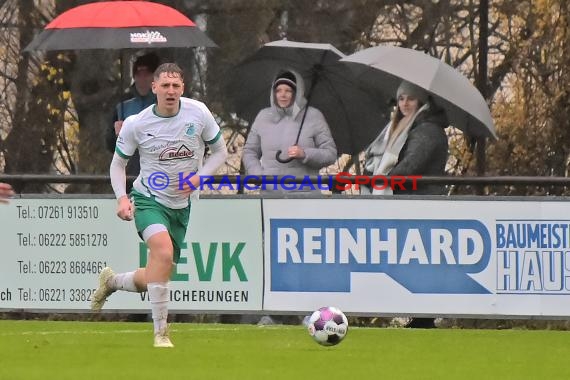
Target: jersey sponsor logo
point(176, 153)
point(169, 144)
point(190, 129)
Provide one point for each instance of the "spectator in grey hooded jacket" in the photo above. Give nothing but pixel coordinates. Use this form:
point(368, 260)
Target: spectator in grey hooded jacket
point(276, 127)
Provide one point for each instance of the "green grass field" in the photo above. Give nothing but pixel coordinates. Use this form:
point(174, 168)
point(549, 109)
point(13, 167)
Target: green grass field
point(104, 350)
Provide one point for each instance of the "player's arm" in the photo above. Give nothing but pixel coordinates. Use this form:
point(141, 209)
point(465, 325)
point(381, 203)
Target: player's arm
point(6, 192)
point(126, 146)
point(217, 157)
point(212, 135)
point(118, 182)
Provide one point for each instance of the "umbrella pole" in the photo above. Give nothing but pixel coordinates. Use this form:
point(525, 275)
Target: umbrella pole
point(278, 153)
point(121, 66)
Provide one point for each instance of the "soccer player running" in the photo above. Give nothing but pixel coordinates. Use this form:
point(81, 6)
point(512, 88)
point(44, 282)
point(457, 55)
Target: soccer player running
point(171, 137)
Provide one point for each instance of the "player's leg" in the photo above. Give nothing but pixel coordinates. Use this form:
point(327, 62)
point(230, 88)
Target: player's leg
point(103, 291)
point(150, 218)
point(129, 281)
point(164, 254)
point(110, 282)
point(159, 265)
point(157, 273)
point(135, 281)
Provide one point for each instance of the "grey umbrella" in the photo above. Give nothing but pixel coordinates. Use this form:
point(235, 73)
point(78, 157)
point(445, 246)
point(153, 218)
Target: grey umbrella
point(354, 116)
point(382, 69)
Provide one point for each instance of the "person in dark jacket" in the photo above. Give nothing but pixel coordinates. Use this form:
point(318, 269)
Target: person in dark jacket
point(141, 97)
point(413, 143)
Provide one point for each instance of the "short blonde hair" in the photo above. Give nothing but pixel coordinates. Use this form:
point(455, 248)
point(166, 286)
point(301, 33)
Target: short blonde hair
point(170, 68)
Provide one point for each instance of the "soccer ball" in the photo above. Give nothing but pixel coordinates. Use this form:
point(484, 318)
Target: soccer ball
point(328, 326)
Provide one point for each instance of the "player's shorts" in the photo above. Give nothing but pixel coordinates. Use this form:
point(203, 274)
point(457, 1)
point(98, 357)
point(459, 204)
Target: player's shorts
point(148, 211)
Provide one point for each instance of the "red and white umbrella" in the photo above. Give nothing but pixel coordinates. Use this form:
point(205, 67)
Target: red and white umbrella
point(120, 25)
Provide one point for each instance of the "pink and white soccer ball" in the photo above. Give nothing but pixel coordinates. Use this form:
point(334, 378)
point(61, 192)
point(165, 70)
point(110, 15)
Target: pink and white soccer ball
point(328, 326)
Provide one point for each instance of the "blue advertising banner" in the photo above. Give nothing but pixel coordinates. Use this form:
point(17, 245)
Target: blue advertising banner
point(431, 257)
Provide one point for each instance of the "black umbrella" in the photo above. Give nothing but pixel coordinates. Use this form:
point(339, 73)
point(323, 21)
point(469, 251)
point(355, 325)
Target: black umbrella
point(354, 116)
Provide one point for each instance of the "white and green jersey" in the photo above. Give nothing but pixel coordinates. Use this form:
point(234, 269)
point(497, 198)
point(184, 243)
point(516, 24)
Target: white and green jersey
point(170, 148)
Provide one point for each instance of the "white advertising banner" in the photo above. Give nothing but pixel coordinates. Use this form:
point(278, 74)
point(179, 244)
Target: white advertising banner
point(53, 249)
point(432, 257)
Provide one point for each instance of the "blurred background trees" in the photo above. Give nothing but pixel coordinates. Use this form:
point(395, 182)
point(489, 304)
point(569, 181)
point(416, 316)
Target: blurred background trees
point(55, 107)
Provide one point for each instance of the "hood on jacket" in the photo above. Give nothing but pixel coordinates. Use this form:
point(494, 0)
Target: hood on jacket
point(299, 102)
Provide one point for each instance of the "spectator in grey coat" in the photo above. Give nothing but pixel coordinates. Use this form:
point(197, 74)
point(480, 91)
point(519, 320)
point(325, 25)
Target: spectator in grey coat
point(276, 127)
